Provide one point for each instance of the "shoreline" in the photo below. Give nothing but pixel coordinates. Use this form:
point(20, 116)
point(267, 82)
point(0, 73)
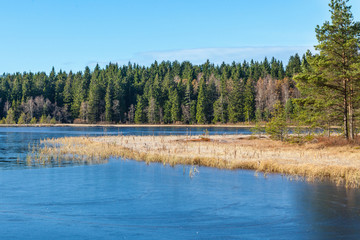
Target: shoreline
point(132, 125)
point(262, 125)
point(313, 161)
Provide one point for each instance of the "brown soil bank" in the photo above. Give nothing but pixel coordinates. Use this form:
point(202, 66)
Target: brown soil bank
point(313, 161)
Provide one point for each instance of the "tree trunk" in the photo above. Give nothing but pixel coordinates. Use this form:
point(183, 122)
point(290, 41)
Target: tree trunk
point(351, 115)
point(351, 122)
point(346, 129)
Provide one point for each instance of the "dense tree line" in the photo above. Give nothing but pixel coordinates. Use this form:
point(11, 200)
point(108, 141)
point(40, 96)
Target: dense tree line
point(317, 90)
point(166, 92)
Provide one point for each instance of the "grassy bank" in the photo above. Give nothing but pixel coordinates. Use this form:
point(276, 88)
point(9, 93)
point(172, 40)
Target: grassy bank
point(312, 161)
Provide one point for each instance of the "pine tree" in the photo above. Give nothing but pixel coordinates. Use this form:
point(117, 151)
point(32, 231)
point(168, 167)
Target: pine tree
point(328, 80)
point(289, 108)
point(277, 127)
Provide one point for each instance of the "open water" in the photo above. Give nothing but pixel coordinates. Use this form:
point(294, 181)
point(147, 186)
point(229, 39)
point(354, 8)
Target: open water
point(125, 199)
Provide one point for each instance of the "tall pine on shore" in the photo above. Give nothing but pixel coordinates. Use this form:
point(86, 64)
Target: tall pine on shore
point(329, 81)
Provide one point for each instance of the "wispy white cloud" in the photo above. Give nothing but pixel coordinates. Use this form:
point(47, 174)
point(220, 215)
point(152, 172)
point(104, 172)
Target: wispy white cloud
point(215, 55)
point(219, 55)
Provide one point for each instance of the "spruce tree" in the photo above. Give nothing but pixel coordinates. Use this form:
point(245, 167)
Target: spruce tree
point(187, 103)
point(10, 117)
point(175, 106)
point(201, 102)
point(236, 107)
point(94, 97)
point(211, 95)
point(266, 67)
point(220, 110)
point(274, 69)
point(109, 102)
point(167, 112)
point(86, 82)
point(281, 72)
point(26, 88)
point(59, 88)
point(49, 90)
point(140, 115)
point(294, 66)
point(249, 101)
point(79, 92)
point(67, 94)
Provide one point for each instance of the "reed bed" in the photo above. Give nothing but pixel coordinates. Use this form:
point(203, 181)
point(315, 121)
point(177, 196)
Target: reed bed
point(312, 162)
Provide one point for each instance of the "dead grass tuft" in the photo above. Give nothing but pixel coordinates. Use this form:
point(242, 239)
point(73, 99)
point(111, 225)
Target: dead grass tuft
point(202, 139)
point(337, 141)
point(314, 162)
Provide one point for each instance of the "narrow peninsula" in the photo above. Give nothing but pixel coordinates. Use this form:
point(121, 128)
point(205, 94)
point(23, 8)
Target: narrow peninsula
point(320, 159)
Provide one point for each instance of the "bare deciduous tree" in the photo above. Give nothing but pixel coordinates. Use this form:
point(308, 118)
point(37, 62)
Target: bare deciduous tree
point(131, 114)
point(84, 111)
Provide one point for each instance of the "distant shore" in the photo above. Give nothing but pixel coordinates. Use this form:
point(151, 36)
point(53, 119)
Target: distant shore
point(311, 161)
point(130, 125)
point(262, 125)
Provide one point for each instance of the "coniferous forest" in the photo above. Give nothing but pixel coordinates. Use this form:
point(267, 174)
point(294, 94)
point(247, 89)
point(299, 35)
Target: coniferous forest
point(166, 92)
point(316, 90)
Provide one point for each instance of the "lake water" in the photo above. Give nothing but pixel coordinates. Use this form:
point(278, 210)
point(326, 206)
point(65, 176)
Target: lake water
point(125, 199)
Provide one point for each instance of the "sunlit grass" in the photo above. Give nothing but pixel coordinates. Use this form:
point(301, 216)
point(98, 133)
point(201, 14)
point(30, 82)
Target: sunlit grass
point(312, 162)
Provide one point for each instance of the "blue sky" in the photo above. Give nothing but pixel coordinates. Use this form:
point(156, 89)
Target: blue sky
point(71, 34)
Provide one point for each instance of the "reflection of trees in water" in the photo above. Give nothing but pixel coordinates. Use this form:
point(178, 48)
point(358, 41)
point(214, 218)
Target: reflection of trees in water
point(329, 211)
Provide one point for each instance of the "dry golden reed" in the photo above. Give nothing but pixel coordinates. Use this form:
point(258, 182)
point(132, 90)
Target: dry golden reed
point(312, 162)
